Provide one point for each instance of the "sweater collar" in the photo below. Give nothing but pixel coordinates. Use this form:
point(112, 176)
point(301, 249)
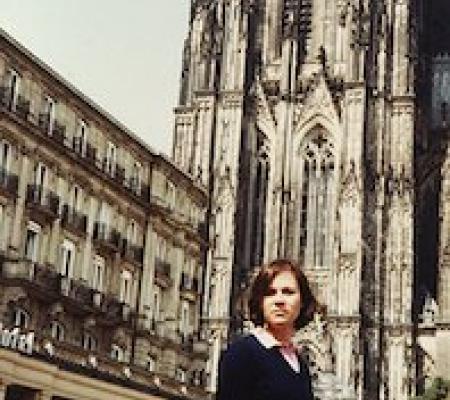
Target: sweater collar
point(268, 340)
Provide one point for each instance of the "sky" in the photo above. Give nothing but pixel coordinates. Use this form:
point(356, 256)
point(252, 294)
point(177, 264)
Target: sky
point(125, 55)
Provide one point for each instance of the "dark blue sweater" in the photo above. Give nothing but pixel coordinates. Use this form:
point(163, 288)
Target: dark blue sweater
point(250, 371)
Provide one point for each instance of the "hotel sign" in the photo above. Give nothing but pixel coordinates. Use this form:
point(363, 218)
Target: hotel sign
point(13, 339)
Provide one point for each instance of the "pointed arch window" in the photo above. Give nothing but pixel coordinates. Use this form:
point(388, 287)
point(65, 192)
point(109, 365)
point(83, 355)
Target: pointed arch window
point(317, 192)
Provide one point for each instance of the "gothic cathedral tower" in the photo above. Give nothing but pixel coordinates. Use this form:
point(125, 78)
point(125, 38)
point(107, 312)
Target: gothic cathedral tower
point(320, 129)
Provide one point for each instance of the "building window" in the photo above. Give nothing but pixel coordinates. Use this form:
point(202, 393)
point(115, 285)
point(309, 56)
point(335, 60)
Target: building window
point(67, 258)
point(81, 138)
point(117, 353)
point(41, 176)
point(111, 158)
point(21, 319)
point(104, 213)
point(317, 201)
point(136, 178)
point(76, 198)
point(5, 157)
point(184, 319)
point(126, 282)
point(57, 331)
point(170, 195)
point(97, 273)
point(151, 363)
point(13, 85)
point(32, 242)
point(161, 249)
point(180, 375)
point(156, 306)
point(89, 342)
point(131, 232)
point(47, 116)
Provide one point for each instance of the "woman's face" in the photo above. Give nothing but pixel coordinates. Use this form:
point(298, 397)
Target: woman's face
point(282, 303)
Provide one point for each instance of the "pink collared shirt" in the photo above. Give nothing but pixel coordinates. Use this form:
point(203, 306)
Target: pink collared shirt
point(287, 351)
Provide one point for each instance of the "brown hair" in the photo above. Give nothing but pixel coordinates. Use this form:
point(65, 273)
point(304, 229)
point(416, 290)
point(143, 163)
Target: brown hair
point(261, 284)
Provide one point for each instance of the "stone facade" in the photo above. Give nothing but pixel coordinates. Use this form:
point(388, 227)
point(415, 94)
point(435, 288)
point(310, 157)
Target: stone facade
point(321, 131)
point(101, 249)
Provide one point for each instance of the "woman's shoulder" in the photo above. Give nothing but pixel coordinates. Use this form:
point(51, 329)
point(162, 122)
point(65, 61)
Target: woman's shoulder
point(242, 348)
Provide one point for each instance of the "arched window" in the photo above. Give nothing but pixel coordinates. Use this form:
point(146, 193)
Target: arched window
point(317, 200)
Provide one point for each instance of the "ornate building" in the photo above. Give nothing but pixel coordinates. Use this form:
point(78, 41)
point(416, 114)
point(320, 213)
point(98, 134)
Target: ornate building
point(320, 129)
point(101, 250)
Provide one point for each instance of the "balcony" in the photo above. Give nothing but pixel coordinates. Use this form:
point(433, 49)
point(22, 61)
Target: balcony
point(73, 220)
point(44, 122)
point(85, 150)
point(76, 290)
point(44, 203)
point(55, 131)
point(45, 279)
point(157, 328)
point(189, 287)
point(138, 189)
point(119, 175)
point(162, 273)
point(115, 311)
point(8, 183)
point(5, 97)
point(132, 252)
point(192, 343)
point(105, 237)
point(58, 132)
point(22, 107)
point(186, 341)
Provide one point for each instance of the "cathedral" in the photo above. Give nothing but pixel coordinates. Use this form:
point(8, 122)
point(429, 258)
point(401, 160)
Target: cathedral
point(320, 129)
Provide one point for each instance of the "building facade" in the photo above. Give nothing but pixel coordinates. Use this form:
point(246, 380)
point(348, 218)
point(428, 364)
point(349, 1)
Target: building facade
point(320, 129)
point(101, 250)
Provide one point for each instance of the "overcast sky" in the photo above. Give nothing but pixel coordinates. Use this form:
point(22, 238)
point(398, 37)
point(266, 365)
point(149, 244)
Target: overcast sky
point(123, 54)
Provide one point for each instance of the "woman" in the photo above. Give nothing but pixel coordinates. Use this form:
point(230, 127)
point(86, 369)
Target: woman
point(265, 365)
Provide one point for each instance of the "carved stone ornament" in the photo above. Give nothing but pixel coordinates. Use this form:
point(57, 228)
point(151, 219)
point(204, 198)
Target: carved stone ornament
point(316, 101)
point(265, 118)
point(350, 187)
point(347, 262)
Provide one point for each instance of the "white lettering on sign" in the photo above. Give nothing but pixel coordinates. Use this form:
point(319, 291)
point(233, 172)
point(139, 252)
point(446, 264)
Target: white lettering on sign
point(13, 339)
